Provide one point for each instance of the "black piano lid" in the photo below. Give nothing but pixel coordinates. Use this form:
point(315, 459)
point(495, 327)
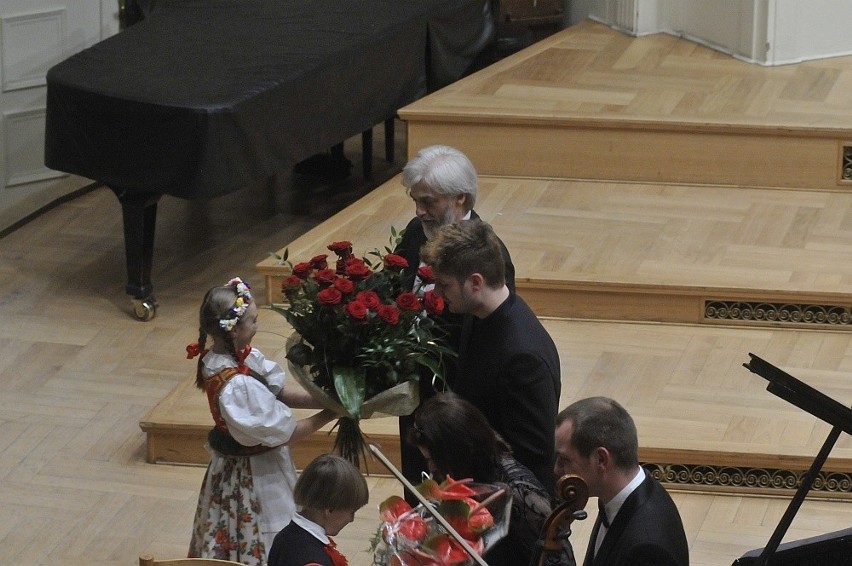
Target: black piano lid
point(206, 97)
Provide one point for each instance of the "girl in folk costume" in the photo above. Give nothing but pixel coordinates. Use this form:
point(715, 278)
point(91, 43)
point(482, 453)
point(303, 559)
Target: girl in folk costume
point(247, 493)
point(329, 492)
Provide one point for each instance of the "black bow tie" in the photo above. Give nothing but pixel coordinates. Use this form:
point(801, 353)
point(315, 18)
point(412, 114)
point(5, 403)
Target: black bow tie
point(602, 514)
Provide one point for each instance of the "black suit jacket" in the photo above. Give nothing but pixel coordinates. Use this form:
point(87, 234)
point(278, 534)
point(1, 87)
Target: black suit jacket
point(646, 532)
point(509, 368)
point(409, 247)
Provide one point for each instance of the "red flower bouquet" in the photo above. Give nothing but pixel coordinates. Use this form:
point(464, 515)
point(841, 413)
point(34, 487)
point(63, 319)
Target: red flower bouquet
point(408, 536)
point(363, 333)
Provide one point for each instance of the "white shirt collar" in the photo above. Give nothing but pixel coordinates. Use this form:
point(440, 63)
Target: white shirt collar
point(311, 527)
point(614, 505)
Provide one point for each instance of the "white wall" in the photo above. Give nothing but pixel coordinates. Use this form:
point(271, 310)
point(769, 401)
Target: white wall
point(769, 32)
point(800, 30)
point(35, 35)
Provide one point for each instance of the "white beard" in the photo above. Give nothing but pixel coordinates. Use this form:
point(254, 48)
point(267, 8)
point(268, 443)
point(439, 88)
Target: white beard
point(430, 228)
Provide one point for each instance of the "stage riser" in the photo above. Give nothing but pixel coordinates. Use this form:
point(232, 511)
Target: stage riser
point(671, 304)
point(633, 153)
point(182, 446)
point(590, 301)
point(703, 471)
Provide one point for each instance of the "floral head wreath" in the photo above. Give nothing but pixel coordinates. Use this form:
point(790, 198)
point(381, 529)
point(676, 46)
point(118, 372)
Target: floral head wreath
point(241, 303)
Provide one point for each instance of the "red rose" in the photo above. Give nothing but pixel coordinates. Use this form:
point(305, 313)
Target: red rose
point(434, 304)
point(319, 261)
point(329, 296)
point(291, 284)
point(357, 270)
point(426, 274)
point(395, 262)
point(342, 248)
point(302, 270)
point(325, 276)
point(370, 299)
point(388, 313)
point(345, 286)
point(357, 310)
point(408, 301)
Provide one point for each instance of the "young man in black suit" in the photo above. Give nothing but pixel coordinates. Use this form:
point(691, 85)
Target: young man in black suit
point(638, 524)
point(508, 365)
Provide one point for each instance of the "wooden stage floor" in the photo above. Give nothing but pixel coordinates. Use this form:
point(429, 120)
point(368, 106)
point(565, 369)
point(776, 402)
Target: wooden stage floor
point(694, 403)
point(633, 275)
point(590, 102)
point(629, 251)
point(78, 373)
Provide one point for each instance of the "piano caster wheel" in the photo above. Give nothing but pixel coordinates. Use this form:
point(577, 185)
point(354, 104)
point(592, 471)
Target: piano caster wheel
point(144, 309)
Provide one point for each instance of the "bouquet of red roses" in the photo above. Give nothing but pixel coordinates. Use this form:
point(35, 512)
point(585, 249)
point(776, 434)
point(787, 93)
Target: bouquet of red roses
point(365, 328)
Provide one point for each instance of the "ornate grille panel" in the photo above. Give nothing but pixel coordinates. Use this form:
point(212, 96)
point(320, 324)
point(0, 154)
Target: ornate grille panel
point(792, 313)
point(748, 479)
point(846, 170)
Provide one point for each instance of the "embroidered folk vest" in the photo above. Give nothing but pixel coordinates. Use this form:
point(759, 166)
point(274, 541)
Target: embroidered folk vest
point(219, 438)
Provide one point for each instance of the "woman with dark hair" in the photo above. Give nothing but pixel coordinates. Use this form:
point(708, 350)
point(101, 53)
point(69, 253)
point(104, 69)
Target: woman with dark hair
point(456, 439)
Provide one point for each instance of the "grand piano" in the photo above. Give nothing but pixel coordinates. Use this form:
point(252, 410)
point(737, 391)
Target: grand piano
point(206, 97)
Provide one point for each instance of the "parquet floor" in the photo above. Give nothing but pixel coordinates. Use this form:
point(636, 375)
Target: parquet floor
point(590, 102)
point(638, 234)
point(590, 70)
point(77, 373)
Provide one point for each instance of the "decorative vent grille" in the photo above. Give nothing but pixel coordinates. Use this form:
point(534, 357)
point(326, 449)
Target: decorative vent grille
point(846, 163)
point(745, 479)
point(790, 313)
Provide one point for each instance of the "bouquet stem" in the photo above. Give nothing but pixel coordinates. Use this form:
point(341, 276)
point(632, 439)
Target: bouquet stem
point(349, 443)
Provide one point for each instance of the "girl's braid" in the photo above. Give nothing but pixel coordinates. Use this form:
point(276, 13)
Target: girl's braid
point(199, 377)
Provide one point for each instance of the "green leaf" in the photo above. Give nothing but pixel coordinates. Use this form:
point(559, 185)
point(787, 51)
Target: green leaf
point(282, 259)
point(300, 354)
point(350, 384)
point(431, 363)
point(454, 508)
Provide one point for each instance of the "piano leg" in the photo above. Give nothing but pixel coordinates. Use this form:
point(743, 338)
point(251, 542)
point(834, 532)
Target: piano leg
point(367, 153)
point(139, 210)
point(389, 139)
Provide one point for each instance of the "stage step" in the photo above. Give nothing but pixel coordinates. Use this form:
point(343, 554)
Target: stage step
point(705, 422)
point(629, 251)
point(669, 210)
point(590, 102)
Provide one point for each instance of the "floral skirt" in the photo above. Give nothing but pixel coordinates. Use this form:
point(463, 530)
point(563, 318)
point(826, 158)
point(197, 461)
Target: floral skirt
point(226, 524)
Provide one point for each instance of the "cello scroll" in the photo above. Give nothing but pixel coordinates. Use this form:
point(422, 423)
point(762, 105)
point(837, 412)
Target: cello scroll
point(574, 493)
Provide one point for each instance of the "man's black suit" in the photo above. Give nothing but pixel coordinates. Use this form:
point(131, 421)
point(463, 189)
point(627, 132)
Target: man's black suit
point(413, 238)
point(509, 368)
point(647, 531)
